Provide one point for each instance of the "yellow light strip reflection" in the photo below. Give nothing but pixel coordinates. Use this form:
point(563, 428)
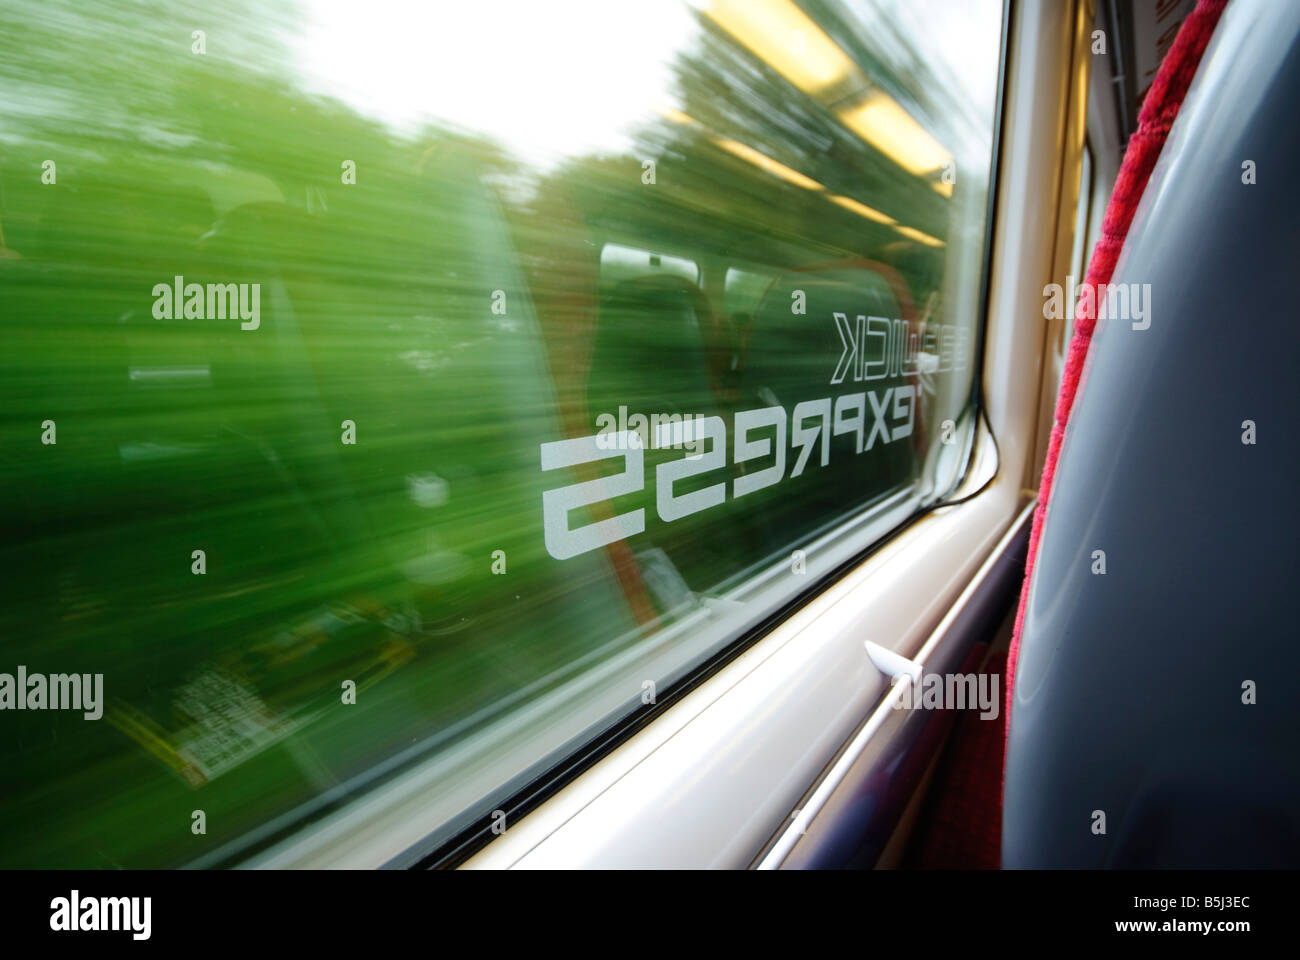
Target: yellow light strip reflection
point(764, 162)
point(767, 164)
point(861, 209)
point(891, 130)
point(676, 116)
point(919, 237)
point(782, 36)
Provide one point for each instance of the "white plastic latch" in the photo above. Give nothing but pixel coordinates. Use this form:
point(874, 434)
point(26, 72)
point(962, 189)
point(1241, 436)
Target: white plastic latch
point(892, 664)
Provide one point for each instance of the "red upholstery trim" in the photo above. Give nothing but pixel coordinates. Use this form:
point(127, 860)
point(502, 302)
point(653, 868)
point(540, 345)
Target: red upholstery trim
point(1157, 116)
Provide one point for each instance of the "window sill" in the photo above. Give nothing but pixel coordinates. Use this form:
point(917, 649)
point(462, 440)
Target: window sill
point(710, 782)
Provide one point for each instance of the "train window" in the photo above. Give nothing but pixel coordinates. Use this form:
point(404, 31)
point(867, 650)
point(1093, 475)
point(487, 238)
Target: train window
point(444, 384)
point(625, 263)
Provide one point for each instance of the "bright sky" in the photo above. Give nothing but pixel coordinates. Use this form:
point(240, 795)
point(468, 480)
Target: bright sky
point(557, 78)
point(548, 78)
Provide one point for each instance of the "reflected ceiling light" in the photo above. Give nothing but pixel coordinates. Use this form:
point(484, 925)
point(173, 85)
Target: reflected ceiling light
point(783, 36)
point(676, 116)
point(914, 234)
point(941, 188)
point(890, 129)
point(764, 162)
point(745, 152)
point(862, 210)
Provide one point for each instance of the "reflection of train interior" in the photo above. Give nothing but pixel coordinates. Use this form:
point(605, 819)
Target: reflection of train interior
point(630, 455)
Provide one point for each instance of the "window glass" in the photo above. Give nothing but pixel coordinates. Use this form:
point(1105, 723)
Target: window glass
point(443, 382)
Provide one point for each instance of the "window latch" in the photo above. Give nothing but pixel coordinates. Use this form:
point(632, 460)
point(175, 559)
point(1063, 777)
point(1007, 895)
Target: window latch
point(893, 665)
